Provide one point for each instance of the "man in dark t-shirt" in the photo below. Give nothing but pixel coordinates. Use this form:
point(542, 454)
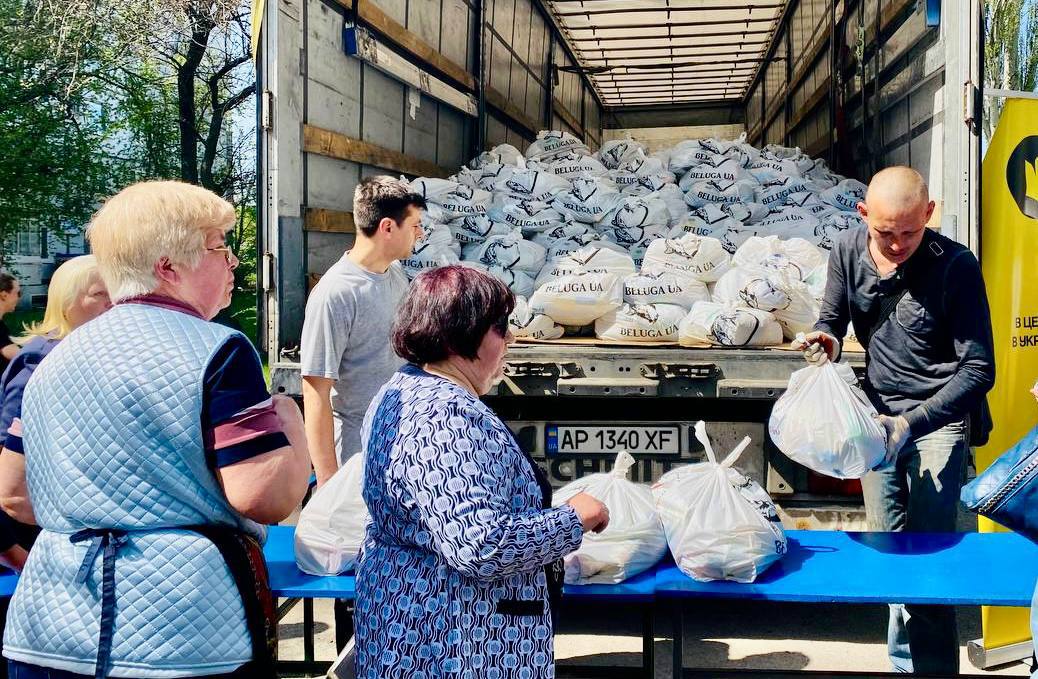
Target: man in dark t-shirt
point(918, 305)
point(10, 292)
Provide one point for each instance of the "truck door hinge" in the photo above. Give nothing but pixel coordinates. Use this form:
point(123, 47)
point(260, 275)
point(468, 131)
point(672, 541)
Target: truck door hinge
point(267, 110)
point(268, 271)
point(969, 105)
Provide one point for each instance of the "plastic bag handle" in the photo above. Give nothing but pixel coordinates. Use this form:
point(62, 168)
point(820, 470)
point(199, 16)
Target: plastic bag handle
point(623, 463)
point(736, 452)
point(702, 438)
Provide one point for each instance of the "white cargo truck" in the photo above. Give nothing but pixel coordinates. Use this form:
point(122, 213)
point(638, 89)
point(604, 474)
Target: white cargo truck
point(351, 88)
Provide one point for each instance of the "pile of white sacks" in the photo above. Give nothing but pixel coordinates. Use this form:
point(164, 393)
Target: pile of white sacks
point(708, 242)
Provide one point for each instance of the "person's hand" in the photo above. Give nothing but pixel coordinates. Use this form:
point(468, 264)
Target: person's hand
point(897, 431)
point(593, 515)
point(818, 347)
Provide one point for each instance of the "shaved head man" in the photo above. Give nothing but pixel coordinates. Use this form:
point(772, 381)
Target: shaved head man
point(917, 302)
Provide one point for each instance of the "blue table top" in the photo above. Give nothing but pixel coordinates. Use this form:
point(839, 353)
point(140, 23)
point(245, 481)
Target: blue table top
point(286, 580)
point(926, 568)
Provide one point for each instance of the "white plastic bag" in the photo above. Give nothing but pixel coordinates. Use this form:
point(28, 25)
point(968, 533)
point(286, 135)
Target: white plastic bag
point(664, 288)
point(510, 251)
point(634, 217)
point(529, 184)
point(796, 257)
point(502, 154)
point(729, 325)
point(436, 248)
point(570, 230)
point(688, 154)
point(719, 169)
point(526, 324)
point(702, 258)
point(775, 193)
point(747, 213)
point(487, 177)
point(528, 215)
point(331, 526)
point(833, 224)
point(615, 153)
point(846, 195)
point(578, 298)
point(570, 165)
point(789, 300)
point(641, 323)
point(599, 257)
point(826, 423)
point(637, 166)
point(720, 525)
point(552, 143)
point(475, 230)
point(719, 193)
point(456, 200)
point(633, 542)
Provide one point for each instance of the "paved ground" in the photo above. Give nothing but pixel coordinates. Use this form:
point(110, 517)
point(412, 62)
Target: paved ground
point(720, 635)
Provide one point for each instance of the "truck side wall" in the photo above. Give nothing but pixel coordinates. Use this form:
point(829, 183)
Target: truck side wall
point(323, 102)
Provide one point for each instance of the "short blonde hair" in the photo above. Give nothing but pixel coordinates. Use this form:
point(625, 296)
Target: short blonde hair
point(69, 281)
point(150, 220)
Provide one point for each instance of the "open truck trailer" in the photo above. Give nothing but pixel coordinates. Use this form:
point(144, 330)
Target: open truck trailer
point(351, 88)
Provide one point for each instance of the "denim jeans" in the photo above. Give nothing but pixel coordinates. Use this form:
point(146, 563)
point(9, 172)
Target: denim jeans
point(919, 493)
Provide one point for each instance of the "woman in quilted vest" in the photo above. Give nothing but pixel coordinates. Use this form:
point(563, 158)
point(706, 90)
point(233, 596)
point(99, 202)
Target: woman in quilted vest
point(463, 552)
point(153, 455)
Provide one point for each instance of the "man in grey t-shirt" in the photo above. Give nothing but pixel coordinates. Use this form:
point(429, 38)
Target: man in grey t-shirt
point(346, 351)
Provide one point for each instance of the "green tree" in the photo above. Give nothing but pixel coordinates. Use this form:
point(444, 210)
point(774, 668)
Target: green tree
point(1010, 52)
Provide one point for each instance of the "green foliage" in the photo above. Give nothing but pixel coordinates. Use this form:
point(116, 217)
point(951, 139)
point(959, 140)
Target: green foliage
point(1010, 52)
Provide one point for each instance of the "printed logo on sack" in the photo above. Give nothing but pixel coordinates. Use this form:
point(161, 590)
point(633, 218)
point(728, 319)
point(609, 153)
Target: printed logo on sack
point(1022, 177)
point(522, 182)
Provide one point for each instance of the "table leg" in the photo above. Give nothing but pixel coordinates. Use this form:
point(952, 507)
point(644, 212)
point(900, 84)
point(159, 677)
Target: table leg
point(648, 643)
point(677, 623)
point(308, 630)
point(343, 623)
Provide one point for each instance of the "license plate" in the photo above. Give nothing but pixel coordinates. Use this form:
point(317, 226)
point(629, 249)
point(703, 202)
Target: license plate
point(595, 439)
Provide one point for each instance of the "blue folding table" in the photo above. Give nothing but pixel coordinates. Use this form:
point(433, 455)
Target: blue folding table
point(996, 569)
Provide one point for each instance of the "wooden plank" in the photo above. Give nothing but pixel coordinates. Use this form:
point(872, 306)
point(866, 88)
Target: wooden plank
point(371, 14)
point(816, 98)
point(335, 145)
point(570, 119)
point(769, 116)
point(329, 221)
point(502, 104)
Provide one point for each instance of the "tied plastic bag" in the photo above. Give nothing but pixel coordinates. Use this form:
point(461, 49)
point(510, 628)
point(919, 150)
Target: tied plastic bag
point(475, 230)
point(570, 165)
point(846, 195)
point(633, 218)
point(790, 301)
point(519, 282)
point(706, 221)
point(720, 525)
point(552, 143)
point(331, 526)
point(719, 169)
point(674, 199)
point(664, 288)
point(702, 258)
point(833, 224)
point(509, 251)
point(615, 153)
point(436, 248)
point(578, 298)
point(788, 221)
point(796, 257)
point(747, 213)
point(641, 323)
point(526, 324)
point(564, 247)
point(486, 177)
point(456, 200)
point(729, 325)
point(633, 542)
point(650, 183)
point(571, 230)
point(588, 199)
point(690, 153)
point(826, 423)
point(775, 193)
point(637, 166)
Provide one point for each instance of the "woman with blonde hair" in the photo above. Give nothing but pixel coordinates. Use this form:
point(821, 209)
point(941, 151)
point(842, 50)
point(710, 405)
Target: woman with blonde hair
point(76, 294)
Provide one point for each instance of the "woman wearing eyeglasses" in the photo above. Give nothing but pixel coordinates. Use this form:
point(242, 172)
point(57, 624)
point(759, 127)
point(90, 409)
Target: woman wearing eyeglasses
point(153, 456)
point(463, 551)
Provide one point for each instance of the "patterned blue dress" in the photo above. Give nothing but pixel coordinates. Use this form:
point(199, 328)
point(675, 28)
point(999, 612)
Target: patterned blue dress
point(451, 582)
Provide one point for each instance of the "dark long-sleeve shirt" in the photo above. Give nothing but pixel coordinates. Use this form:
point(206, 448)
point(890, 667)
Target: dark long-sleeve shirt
point(932, 361)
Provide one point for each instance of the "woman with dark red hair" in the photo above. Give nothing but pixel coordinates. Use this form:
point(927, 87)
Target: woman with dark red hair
point(462, 556)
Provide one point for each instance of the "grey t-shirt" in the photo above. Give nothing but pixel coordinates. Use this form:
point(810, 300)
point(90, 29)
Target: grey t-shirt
point(346, 337)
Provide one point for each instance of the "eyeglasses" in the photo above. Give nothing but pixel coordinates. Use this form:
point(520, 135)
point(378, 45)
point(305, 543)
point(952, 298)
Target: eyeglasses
point(228, 255)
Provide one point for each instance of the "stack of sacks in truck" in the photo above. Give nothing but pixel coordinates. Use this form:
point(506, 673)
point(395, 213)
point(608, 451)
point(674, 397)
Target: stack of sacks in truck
point(742, 232)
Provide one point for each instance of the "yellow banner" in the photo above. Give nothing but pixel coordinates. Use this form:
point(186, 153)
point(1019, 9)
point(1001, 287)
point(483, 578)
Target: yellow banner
point(1009, 231)
point(257, 25)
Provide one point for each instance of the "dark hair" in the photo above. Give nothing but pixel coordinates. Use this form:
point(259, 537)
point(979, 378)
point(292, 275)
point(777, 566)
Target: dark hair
point(376, 198)
point(7, 282)
point(448, 311)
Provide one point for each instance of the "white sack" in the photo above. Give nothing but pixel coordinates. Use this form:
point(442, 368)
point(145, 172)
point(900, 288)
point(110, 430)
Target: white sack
point(588, 199)
point(570, 230)
point(633, 542)
point(331, 526)
point(475, 230)
point(638, 250)
point(790, 301)
point(846, 195)
point(509, 251)
point(720, 525)
point(530, 216)
point(650, 183)
point(579, 298)
point(615, 153)
point(436, 248)
point(719, 168)
point(702, 258)
point(641, 323)
point(525, 324)
point(826, 423)
point(795, 257)
point(564, 247)
point(674, 199)
point(551, 143)
point(570, 165)
point(529, 184)
point(502, 154)
point(456, 200)
point(664, 288)
point(487, 177)
point(733, 236)
point(688, 154)
point(633, 217)
point(833, 224)
point(789, 221)
point(599, 257)
point(775, 193)
point(518, 281)
point(729, 325)
point(747, 213)
point(637, 166)
point(720, 192)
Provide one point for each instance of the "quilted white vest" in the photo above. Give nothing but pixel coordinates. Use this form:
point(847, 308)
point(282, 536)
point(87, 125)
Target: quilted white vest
point(113, 441)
